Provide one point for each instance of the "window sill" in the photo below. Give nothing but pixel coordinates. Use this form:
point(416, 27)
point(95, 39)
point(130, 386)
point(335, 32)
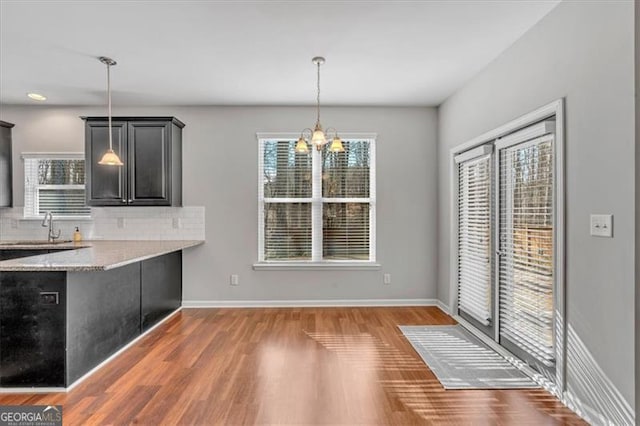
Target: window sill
point(56, 218)
point(316, 266)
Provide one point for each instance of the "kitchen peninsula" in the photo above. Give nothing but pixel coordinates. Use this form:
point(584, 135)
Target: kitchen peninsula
point(65, 311)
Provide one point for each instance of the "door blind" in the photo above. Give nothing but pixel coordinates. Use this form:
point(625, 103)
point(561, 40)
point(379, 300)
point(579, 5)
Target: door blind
point(526, 275)
point(474, 238)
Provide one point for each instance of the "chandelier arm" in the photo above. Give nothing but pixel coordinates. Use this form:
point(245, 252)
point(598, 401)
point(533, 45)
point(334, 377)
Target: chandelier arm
point(302, 133)
point(331, 129)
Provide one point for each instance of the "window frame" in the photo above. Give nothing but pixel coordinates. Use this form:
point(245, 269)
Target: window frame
point(31, 212)
point(317, 201)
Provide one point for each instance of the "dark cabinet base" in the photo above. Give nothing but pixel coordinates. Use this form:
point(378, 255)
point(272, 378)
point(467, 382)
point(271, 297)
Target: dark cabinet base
point(57, 326)
point(32, 329)
point(103, 316)
point(161, 288)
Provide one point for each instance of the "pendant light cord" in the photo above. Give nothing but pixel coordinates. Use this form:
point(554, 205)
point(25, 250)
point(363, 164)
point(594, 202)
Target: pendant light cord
point(109, 102)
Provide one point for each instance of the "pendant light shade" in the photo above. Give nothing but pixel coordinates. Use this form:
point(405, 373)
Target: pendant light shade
point(318, 137)
point(110, 158)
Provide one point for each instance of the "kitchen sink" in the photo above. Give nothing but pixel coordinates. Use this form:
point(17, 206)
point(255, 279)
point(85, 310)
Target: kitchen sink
point(33, 243)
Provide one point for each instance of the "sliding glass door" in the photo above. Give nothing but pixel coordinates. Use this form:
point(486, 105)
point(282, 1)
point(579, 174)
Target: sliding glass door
point(506, 236)
point(475, 293)
point(525, 256)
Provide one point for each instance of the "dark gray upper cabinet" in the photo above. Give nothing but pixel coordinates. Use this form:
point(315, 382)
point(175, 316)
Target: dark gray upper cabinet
point(6, 191)
point(106, 185)
point(151, 150)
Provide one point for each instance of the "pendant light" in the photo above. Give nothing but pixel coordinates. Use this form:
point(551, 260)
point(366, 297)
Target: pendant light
point(317, 136)
point(110, 158)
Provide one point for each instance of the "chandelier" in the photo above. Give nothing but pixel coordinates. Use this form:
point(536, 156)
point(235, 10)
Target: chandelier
point(317, 136)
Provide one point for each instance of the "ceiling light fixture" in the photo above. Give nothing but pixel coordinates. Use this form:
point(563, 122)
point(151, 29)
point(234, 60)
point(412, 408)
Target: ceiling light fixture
point(37, 96)
point(317, 136)
point(110, 158)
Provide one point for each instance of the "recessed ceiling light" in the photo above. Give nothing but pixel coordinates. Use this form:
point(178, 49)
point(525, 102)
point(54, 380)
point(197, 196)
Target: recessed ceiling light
point(37, 96)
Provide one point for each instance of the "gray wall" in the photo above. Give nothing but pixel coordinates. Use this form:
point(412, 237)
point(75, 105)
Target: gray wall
point(220, 173)
point(584, 52)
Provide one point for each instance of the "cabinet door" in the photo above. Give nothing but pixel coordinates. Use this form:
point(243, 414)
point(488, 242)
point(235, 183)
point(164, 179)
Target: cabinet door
point(106, 185)
point(32, 329)
point(149, 163)
point(5, 167)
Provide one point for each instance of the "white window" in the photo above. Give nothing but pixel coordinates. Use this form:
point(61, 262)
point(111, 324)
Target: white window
point(54, 183)
point(316, 207)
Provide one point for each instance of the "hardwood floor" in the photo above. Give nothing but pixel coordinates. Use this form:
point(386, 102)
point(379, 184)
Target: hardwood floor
point(288, 366)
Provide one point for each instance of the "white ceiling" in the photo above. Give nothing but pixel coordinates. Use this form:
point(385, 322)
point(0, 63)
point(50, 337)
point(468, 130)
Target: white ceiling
point(253, 52)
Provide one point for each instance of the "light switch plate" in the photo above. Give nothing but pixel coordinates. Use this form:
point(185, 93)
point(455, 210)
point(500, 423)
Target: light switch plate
point(602, 225)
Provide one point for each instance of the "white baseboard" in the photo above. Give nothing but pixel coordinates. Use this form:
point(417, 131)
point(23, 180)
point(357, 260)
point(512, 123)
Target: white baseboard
point(583, 410)
point(94, 369)
point(443, 307)
point(307, 303)
point(31, 390)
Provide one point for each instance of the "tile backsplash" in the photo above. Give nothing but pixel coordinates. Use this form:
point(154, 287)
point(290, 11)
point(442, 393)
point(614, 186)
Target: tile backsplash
point(113, 223)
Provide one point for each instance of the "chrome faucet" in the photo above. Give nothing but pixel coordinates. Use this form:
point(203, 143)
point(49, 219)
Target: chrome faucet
point(52, 234)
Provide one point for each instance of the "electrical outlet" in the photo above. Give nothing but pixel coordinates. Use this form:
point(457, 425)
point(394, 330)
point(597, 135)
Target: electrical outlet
point(121, 222)
point(177, 223)
point(235, 280)
point(386, 278)
point(602, 225)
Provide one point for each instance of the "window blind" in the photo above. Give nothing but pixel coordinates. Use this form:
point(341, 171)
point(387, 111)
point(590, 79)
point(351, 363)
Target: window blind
point(347, 174)
point(345, 231)
point(286, 174)
point(56, 185)
point(286, 181)
point(474, 238)
point(526, 277)
point(287, 231)
point(346, 190)
point(317, 206)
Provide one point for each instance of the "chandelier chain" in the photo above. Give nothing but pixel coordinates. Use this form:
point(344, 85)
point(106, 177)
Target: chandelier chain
point(318, 98)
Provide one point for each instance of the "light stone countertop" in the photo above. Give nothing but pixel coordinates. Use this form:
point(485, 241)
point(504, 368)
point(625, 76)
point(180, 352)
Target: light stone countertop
point(90, 255)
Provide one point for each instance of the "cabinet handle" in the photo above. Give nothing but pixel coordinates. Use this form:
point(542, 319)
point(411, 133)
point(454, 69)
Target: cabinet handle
point(124, 201)
point(130, 201)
